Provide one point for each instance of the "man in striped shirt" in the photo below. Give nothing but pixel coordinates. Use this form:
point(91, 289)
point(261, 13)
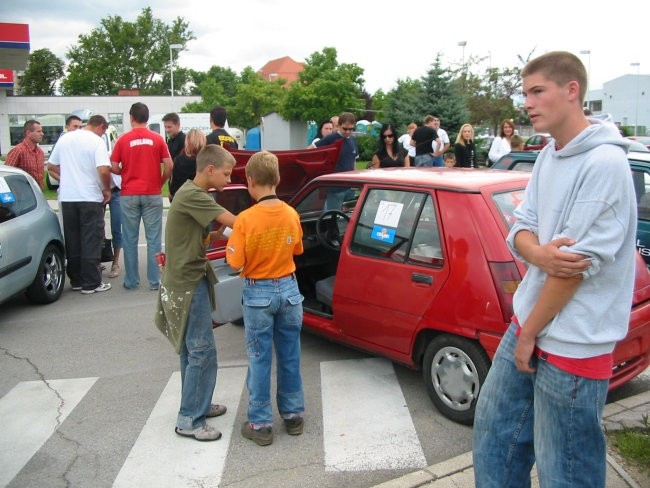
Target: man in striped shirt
point(27, 155)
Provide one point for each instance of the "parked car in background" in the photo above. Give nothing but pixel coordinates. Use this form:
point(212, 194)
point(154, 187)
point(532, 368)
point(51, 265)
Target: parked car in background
point(640, 166)
point(638, 146)
point(537, 142)
point(411, 264)
point(517, 160)
point(31, 243)
point(645, 140)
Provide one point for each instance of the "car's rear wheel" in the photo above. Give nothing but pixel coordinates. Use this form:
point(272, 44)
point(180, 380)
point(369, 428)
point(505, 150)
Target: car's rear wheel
point(50, 277)
point(454, 370)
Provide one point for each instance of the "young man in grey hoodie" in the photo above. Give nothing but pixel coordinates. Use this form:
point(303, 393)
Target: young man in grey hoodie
point(545, 393)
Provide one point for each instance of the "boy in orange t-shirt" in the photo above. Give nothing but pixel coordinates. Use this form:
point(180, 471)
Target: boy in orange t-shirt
point(262, 244)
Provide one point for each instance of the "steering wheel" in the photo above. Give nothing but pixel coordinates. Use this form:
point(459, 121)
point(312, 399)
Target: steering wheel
point(328, 230)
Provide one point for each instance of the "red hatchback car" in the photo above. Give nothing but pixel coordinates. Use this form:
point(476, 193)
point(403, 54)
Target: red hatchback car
point(537, 142)
point(411, 264)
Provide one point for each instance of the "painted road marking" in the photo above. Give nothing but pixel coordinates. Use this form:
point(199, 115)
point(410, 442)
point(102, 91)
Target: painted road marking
point(162, 459)
point(366, 422)
point(29, 414)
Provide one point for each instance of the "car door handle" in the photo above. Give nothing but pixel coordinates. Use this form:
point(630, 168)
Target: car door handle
point(422, 278)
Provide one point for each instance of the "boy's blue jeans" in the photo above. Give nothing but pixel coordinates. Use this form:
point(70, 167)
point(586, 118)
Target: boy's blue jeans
point(273, 317)
point(198, 359)
point(550, 417)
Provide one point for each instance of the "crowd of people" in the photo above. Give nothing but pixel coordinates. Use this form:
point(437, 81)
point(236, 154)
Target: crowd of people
point(545, 392)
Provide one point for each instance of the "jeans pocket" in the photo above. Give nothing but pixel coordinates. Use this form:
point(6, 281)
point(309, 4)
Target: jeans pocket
point(296, 299)
point(256, 302)
point(293, 310)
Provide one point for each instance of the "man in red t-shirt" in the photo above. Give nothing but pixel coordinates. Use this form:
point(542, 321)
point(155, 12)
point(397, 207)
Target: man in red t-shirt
point(137, 156)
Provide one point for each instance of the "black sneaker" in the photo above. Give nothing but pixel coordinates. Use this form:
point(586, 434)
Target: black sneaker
point(294, 426)
point(261, 437)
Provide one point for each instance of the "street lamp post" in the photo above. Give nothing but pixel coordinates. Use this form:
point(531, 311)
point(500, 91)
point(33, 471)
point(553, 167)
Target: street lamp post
point(463, 44)
point(588, 53)
point(171, 68)
point(636, 109)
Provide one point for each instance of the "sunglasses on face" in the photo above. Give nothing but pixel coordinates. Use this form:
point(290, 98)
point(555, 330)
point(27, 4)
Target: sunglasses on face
point(347, 129)
point(388, 136)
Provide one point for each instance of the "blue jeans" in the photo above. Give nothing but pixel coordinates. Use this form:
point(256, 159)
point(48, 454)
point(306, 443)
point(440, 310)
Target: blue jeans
point(116, 219)
point(273, 317)
point(149, 209)
point(424, 160)
point(198, 361)
point(438, 161)
point(551, 417)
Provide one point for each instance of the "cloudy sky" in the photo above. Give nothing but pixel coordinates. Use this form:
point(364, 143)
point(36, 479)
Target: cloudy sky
point(390, 40)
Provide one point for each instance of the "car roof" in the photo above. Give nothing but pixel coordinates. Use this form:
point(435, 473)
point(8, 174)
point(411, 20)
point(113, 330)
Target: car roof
point(643, 157)
point(12, 170)
point(460, 179)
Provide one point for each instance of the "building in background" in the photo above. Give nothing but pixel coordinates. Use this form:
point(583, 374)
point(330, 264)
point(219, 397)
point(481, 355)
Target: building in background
point(626, 99)
point(285, 68)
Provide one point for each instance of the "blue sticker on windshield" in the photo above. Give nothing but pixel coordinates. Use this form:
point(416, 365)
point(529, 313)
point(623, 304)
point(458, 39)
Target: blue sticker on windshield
point(383, 234)
point(7, 197)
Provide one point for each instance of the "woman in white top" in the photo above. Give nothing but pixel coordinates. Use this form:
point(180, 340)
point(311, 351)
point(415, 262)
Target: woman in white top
point(501, 145)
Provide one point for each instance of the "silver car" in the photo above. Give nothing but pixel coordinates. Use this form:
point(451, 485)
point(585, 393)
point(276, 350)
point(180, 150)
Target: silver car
point(31, 242)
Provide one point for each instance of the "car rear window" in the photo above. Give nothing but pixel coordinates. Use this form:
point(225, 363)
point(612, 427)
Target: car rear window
point(506, 202)
point(16, 197)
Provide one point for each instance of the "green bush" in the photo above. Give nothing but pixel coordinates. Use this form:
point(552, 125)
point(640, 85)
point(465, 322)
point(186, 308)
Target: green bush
point(367, 144)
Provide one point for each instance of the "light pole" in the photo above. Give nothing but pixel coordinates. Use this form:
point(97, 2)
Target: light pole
point(588, 53)
point(636, 108)
point(463, 44)
point(171, 67)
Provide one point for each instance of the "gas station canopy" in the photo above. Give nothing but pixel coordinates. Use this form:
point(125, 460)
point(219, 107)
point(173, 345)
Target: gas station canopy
point(14, 46)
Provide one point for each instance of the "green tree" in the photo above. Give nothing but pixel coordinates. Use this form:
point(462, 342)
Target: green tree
point(401, 104)
point(122, 54)
point(212, 94)
point(43, 71)
point(324, 88)
point(490, 96)
point(439, 96)
point(254, 98)
point(226, 77)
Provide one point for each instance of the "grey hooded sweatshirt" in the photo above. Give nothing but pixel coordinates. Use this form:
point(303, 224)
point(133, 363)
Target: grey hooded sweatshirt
point(583, 191)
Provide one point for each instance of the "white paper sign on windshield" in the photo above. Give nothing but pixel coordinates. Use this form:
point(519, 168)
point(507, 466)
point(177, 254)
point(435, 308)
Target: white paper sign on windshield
point(388, 213)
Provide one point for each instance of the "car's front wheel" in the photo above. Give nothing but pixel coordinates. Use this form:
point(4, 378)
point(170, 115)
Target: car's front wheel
point(454, 369)
point(50, 277)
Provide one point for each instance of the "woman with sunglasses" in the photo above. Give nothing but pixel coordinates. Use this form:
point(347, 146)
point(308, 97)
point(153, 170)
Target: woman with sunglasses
point(390, 152)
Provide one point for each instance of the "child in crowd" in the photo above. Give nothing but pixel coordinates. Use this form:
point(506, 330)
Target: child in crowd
point(450, 160)
point(186, 296)
point(517, 143)
point(262, 244)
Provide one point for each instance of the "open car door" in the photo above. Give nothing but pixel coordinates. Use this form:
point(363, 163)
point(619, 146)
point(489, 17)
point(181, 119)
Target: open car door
point(228, 290)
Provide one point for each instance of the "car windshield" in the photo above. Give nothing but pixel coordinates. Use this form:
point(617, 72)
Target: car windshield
point(506, 202)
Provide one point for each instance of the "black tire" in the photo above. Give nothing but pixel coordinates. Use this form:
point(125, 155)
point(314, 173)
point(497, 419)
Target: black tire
point(454, 370)
point(50, 277)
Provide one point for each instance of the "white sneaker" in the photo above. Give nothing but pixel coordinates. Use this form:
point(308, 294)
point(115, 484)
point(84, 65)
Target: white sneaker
point(101, 287)
point(204, 433)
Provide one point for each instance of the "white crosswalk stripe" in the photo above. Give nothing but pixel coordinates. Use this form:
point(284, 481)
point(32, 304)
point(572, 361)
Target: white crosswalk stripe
point(161, 458)
point(366, 426)
point(29, 414)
